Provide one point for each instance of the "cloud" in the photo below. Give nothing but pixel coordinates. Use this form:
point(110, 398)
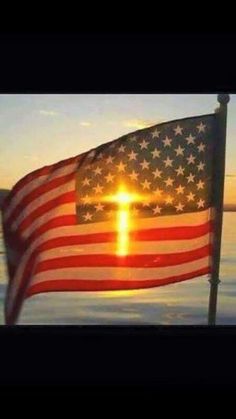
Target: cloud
point(85, 124)
point(48, 113)
point(139, 123)
point(31, 157)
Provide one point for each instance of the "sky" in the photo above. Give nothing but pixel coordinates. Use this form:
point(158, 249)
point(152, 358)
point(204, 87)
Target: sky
point(38, 130)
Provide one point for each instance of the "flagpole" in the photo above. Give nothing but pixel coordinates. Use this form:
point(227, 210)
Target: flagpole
point(218, 196)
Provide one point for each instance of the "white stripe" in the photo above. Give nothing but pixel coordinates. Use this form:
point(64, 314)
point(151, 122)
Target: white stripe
point(121, 273)
point(98, 227)
point(166, 221)
point(43, 199)
point(71, 231)
point(142, 247)
point(136, 248)
point(29, 187)
point(68, 209)
point(64, 209)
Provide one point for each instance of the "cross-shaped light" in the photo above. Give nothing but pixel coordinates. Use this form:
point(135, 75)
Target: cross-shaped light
point(123, 198)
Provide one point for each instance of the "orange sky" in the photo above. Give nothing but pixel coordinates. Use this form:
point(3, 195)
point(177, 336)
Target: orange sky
point(37, 130)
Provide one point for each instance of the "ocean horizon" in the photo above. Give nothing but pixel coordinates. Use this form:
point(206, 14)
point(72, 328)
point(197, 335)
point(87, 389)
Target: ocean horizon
point(183, 303)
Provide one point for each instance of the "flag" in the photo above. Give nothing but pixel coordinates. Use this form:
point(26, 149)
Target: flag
point(135, 212)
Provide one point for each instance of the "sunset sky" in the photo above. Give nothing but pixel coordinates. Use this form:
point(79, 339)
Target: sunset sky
point(37, 130)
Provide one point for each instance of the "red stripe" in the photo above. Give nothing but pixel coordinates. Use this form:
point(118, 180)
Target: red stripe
point(82, 239)
point(65, 198)
point(92, 238)
point(46, 187)
point(138, 261)
point(156, 234)
point(37, 173)
point(32, 260)
point(173, 233)
point(104, 260)
point(92, 285)
point(46, 170)
point(61, 221)
point(109, 285)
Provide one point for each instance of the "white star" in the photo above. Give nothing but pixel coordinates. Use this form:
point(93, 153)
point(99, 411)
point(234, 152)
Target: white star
point(158, 191)
point(132, 155)
point(99, 207)
point(168, 162)
point(179, 151)
point(109, 177)
point(133, 138)
point(200, 203)
point(179, 207)
point(133, 175)
point(157, 210)
point(87, 216)
point(144, 164)
point(190, 139)
point(113, 144)
point(121, 167)
point(180, 189)
point(200, 185)
point(109, 159)
point(155, 153)
point(169, 199)
point(146, 203)
point(180, 170)
point(167, 142)
point(97, 171)
point(178, 130)
point(200, 166)
point(190, 197)
point(146, 184)
point(201, 147)
point(201, 127)
point(169, 181)
point(86, 181)
point(191, 159)
point(86, 199)
point(155, 134)
point(144, 144)
point(98, 188)
point(121, 149)
point(190, 177)
point(157, 173)
point(100, 156)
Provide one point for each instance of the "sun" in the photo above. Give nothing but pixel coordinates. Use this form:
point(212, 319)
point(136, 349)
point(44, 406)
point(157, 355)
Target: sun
point(123, 199)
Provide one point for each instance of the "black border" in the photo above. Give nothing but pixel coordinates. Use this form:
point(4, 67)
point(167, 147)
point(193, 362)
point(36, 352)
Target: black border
point(106, 359)
point(116, 62)
point(190, 358)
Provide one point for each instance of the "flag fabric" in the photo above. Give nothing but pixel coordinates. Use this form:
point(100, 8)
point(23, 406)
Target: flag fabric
point(61, 232)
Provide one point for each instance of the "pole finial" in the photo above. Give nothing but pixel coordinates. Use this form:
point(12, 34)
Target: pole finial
point(223, 99)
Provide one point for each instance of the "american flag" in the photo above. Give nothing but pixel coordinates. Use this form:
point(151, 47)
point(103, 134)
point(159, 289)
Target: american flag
point(61, 222)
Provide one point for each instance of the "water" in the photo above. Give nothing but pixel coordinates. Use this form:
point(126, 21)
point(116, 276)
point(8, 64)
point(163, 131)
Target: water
point(184, 303)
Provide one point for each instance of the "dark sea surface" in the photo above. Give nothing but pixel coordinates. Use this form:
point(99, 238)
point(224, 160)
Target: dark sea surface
point(185, 303)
